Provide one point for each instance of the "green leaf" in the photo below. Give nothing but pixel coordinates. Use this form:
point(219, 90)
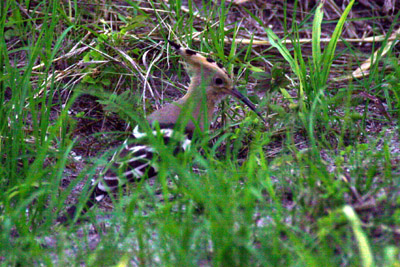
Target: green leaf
point(134, 23)
point(89, 79)
point(277, 43)
point(106, 82)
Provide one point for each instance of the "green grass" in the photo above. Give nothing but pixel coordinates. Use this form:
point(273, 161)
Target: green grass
point(319, 186)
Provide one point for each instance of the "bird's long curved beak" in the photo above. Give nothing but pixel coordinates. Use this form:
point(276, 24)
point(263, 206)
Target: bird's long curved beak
point(234, 92)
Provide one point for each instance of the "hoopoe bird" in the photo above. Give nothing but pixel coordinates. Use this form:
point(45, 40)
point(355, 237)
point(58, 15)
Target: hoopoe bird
point(209, 81)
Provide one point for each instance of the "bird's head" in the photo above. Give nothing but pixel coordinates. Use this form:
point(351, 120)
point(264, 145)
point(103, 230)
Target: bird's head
point(209, 76)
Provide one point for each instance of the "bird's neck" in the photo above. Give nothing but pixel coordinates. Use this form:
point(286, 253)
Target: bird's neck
point(200, 103)
point(189, 110)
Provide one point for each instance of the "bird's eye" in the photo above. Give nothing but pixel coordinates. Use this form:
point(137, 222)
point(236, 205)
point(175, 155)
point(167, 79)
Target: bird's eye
point(219, 81)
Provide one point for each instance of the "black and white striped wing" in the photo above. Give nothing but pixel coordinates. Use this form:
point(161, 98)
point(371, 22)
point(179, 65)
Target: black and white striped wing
point(132, 163)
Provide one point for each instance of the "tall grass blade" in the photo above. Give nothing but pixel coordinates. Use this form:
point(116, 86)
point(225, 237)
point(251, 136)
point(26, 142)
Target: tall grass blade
point(316, 37)
point(363, 244)
point(329, 51)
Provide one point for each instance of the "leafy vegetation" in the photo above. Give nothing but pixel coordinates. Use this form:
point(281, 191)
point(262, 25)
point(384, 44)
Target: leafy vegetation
point(318, 185)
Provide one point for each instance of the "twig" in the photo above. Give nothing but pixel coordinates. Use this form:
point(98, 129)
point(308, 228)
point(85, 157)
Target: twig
point(246, 41)
point(363, 70)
